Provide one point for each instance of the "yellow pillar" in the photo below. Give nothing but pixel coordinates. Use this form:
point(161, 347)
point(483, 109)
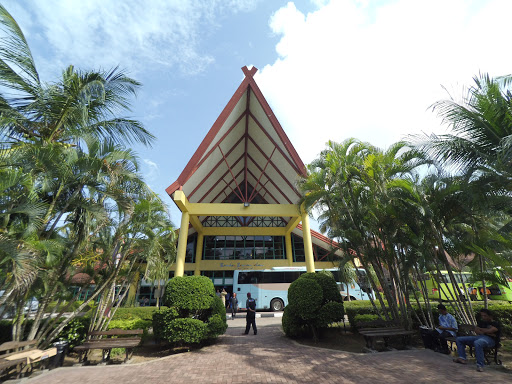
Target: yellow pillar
point(182, 245)
point(199, 254)
point(289, 249)
point(308, 246)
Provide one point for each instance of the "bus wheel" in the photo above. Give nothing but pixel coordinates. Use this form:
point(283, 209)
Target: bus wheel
point(352, 298)
point(276, 305)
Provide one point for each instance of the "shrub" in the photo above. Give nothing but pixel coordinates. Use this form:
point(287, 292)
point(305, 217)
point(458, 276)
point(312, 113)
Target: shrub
point(292, 325)
point(365, 318)
point(329, 288)
point(132, 324)
point(329, 313)
point(216, 326)
point(160, 319)
point(75, 332)
point(502, 312)
point(314, 302)
point(305, 298)
point(190, 293)
point(195, 314)
point(133, 313)
point(186, 331)
point(360, 307)
point(218, 308)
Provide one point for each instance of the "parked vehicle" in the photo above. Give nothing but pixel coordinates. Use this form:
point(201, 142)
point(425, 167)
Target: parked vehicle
point(499, 288)
point(269, 287)
point(445, 291)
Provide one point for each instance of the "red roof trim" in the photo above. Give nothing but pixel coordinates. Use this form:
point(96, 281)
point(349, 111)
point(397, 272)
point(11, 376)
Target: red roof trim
point(320, 237)
point(210, 136)
point(247, 83)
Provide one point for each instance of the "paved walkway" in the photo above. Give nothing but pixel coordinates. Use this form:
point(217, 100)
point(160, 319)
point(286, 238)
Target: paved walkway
point(270, 357)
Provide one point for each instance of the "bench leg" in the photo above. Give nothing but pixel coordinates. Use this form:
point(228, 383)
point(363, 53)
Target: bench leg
point(106, 355)
point(129, 354)
point(82, 357)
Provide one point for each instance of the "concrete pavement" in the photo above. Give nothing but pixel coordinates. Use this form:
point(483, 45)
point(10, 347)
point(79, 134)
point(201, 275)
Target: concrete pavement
point(270, 357)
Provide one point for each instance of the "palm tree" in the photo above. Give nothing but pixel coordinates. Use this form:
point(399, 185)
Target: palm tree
point(81, 103)
point(64, 168)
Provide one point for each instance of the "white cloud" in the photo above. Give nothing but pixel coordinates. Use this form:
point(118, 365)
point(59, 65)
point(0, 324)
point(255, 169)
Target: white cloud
point(140, 34)
point(354, 69)
point(150, 171)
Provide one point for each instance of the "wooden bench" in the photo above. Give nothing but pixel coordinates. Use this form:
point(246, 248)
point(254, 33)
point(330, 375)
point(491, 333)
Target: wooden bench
point(23, 355)
point(467, 330)
point(106, 340)
point(370, 334)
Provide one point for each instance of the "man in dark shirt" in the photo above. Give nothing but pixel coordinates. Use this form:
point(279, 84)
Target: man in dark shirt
point(250, 304)
point(487, 335)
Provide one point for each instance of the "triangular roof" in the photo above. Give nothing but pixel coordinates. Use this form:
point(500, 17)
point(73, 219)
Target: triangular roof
point(245, 154)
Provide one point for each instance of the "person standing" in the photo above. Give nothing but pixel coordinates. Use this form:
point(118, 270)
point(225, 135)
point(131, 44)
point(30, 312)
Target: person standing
point(223, 296)
point(234, 305)
point(487, 336)
point(250, 304)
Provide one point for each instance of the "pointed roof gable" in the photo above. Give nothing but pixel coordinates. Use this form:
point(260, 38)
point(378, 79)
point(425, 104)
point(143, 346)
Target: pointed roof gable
point(246, 153)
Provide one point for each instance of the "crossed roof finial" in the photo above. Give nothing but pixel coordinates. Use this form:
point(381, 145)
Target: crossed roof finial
point(249, 72)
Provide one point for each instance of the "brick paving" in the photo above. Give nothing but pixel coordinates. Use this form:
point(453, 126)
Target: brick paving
point(270, 357)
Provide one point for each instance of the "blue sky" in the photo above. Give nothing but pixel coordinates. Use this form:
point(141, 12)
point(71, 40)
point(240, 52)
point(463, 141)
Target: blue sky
point(329, 69)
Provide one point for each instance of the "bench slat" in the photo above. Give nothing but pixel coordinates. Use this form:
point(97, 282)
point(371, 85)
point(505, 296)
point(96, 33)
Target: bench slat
point(117, 332)
point(398, 333)
point(11, 363)
point(107, 345)
point(7, 346)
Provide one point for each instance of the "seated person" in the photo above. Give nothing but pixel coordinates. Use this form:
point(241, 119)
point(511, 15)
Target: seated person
point(436, 338)
point(487, 336)
point(447, 328)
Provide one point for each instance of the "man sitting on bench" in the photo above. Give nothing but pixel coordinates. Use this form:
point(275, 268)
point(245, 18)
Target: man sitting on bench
point(447, 328)
point(487, 336)
point(436, 338)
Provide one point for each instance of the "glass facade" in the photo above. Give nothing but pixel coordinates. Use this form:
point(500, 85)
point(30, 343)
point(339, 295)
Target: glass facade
point(220, 279)
point(243, 247)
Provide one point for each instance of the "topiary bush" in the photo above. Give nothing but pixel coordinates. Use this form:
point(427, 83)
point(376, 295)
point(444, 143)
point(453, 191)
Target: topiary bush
point(305, 297)
point(314, 302)
point(190, 293)
point(186, 331)
point(194, 315)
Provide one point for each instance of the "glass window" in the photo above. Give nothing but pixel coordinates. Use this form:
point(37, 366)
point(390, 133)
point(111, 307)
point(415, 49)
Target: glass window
point(298, 248)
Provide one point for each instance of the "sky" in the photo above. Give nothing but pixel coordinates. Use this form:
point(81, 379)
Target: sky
point(330, 69)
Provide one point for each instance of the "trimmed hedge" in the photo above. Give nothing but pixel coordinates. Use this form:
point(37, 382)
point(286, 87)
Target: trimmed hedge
point(195, 314)
point(502, 312)
point(365, 319)
point(136, 313)
point(132, 324)
point(314, 303)
point(190, 293)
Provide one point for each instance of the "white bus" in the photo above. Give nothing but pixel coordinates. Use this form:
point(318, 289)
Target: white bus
point(269, 287)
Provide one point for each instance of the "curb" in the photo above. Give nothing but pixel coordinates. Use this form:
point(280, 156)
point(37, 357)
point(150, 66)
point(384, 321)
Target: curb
point(259, 315)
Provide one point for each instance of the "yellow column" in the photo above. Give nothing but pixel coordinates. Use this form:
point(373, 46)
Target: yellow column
point(199, 254)
point(289, 249)
point(182, 245)
point(308, 246)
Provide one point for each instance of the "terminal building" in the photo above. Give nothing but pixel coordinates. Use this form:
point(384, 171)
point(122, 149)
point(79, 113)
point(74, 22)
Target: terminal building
point(238, 197)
